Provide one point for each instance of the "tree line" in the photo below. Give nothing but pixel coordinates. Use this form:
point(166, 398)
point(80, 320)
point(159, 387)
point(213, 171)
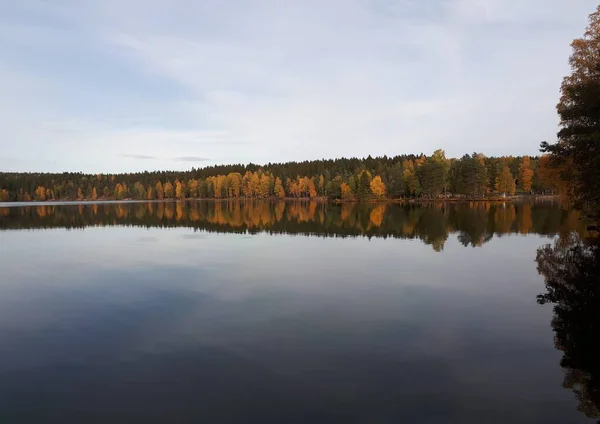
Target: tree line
point(409, 176)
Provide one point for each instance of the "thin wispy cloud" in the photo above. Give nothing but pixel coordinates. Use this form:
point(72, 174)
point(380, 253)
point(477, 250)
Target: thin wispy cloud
point(125, 86)
point(143, 157)
point(177, 159)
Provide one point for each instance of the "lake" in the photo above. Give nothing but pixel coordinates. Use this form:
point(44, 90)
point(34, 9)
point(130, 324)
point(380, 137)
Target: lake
point(265, 312)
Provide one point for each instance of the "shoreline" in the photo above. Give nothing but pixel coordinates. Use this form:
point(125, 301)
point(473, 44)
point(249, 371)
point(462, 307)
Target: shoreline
point(287, 199)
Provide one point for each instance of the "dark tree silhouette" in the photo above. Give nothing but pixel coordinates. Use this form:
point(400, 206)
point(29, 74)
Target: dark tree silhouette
point(571, 268)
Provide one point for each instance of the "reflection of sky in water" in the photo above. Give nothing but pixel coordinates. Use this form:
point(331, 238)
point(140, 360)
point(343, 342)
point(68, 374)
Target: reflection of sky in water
point(179, 323)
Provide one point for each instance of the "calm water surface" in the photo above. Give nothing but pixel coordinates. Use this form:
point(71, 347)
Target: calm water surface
point(279, 312)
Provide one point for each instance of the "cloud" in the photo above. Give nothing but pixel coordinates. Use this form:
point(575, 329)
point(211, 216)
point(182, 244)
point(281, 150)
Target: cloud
point(91, 84)
point(144, 157)
point(177, 159)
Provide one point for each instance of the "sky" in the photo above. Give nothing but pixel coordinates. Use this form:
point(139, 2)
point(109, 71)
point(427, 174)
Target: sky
point(132, 85)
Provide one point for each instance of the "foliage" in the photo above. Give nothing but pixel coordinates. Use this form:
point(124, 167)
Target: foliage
point(397, 177)
point(505, 183)
point(377, 187)
point(525, 174)
point(577, 152)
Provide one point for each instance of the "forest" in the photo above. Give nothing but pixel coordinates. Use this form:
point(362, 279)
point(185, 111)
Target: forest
point(472, 176)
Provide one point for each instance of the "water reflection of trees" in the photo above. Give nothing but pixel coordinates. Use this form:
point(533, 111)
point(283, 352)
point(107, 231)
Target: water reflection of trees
point(571, 268)
point(476, 223)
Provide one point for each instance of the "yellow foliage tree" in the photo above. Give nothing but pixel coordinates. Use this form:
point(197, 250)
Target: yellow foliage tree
point(264, 186)
point(505, 183)
point(378, 187)
point(234, 184)
point(40, 193)
point(346, 192)
point(312, 190)
point(525, 174)
point(278, 189)
point(179, 192)
point(160, 192)
point(94, 193)
point(168, 190)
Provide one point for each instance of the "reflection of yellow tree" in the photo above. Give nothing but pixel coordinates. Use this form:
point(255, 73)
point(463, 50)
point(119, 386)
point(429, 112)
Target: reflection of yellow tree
point(169, 212)
point(194, 213)
point(346, 192)
point(279, 210)
point(236, 215)
point(504, 218)
point(525, 220)
point(140, 211)
point(377, 214)
point(121, 211)
point(347, 214)
point(179, 210)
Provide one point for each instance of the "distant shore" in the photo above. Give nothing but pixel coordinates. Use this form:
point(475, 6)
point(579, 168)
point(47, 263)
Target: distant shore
point(544, 197)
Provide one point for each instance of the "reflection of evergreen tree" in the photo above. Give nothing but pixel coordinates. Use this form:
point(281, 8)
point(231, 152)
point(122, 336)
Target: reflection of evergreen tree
point(432, 227)
point(571, 269)
point(471, 223)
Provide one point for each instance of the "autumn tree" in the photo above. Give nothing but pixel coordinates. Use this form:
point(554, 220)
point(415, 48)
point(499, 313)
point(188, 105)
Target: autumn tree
point(505, 183)
point(411, 180)
point(179, 191)
point(160, 192)
point(94, 194)
point(4, 195)
point(312, 189)
point(168, 190)
point(578, 148)
point(264, 186)
point(193, 185)
point(40, 193)
point(119, 191)
point(346, 192)
point(549, 175)
point(234, 184)
point(139, 191)
point(525, 174)
point(378, 187)
point(279, 191)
